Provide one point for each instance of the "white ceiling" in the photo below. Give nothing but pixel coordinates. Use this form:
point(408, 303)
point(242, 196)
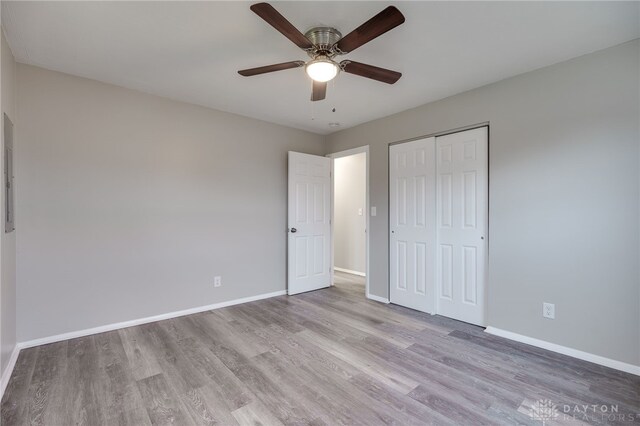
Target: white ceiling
point(190, 51)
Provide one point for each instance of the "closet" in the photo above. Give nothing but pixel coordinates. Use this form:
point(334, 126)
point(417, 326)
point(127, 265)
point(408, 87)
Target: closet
point(438, 220)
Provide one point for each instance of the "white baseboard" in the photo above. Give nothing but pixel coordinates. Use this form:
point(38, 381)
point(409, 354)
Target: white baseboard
point(575, 353)
point(377, 298)
point(131, 323)
point(349, 271)
point(6, 374)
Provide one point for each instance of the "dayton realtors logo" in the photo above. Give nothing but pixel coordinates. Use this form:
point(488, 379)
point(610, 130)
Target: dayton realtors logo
point(545, 410)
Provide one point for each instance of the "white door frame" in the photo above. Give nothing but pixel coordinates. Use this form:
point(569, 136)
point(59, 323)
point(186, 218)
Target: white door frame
point(486, 124)
point(347, 153)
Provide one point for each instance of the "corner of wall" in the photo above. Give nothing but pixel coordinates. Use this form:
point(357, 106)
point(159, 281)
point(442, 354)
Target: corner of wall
point(8, 329)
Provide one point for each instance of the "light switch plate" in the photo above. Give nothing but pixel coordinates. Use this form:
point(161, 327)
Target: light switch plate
point(373, 211)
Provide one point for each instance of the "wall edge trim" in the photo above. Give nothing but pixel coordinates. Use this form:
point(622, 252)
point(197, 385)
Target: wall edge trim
point(349, 271)
point(564, 350)
point(6, 374)
point(145, 320)
point(377, 298)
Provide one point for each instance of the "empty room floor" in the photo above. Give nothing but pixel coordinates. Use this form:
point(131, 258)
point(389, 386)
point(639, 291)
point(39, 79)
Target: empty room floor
point(325, 357)
point(353, 284)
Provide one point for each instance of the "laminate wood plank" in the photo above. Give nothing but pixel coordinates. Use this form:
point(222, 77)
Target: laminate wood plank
point(162, 404)
point(252, 315)
point(347, 403)
point(378, 327)
point(376, 312)
point(317, 382)
point(388, 397)
point(14, 402)
point(140, 356)
point(81, 404)
point(116, 387)
point(295, 357)
point(47, 382)
point(231, 334)
point(256, 414)
point(367, 364)
point(302, 389)
point(449, 406)
point(341, 320)
point(307, 314)
point(232, 391)
point(275, 317)
point(176, 367)
point(298, 350)
point(343, 404)
point(446, 381)
point(268, 392)
point(207, 406)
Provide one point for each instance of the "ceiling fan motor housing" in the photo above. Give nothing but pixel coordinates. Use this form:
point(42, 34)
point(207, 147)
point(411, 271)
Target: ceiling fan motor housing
point(323, 39)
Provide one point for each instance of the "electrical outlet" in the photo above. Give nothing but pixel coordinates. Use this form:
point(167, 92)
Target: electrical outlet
point(549, 310)
point(360, 212)
point(374, 211)
point(217, 281)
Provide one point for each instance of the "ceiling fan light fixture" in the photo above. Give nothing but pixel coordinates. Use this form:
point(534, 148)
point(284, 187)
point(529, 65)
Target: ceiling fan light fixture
point(322, 69)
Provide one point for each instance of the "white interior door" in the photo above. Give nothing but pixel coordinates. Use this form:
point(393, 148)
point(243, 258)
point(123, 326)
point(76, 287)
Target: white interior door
point(412, 224)
point(462, 222)
point(309, 213)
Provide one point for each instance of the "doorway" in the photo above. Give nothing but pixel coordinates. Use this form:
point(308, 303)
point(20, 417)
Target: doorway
point(438, 220)
point(350, 219)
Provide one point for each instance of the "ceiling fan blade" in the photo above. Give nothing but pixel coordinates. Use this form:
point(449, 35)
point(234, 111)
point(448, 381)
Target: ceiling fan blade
point(319, 91)
point(376, 73)
point(271, 68)
point(280, 23)
point(384, 21)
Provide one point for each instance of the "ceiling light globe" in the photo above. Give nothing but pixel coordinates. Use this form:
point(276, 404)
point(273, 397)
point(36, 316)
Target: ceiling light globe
point(321, 70)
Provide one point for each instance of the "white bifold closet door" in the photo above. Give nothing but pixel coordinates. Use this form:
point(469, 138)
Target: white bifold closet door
point(438, 195)
point(462, 222)
point(412, 224)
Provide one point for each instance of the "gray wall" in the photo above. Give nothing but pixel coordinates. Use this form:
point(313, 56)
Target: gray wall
point(564, 197)
point(349, 238)
point(8, 249)
point(130, 204)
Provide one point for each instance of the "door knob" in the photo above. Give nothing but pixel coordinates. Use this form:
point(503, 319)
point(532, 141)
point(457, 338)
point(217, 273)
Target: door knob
point(294, 230)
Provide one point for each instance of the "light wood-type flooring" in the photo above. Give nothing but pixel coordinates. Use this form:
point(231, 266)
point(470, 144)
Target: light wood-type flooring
point(327, 357)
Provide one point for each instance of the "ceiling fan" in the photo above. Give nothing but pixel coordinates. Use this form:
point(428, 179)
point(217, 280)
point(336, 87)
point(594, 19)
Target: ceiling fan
point(323, 44)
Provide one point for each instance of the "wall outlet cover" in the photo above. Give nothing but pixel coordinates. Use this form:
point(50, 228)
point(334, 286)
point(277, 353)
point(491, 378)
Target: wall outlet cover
point(549, 310)
point(217, 281)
